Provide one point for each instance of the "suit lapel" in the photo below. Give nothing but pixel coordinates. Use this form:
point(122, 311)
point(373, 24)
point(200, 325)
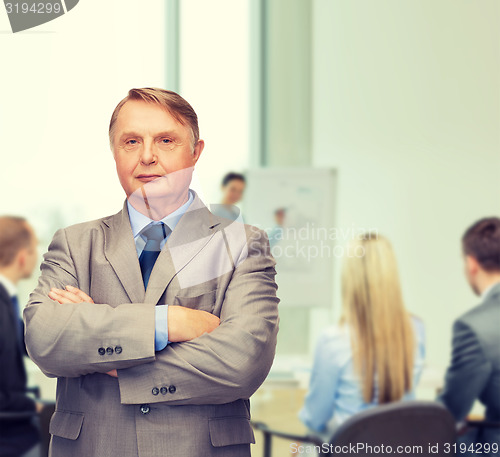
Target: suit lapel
point(5, 297)
point(120, 250)
point(193, 231)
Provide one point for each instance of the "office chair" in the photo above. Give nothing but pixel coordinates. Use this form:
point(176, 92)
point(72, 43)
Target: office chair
point(482, 424)
point(481, 428)
point(14, 415)
point(409, 423)
point(44, 417)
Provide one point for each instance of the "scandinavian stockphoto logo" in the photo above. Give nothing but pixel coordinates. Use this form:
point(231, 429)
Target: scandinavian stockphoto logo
point(26, 14)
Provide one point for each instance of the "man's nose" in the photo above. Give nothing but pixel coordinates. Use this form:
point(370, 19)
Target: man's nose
point(148, 153)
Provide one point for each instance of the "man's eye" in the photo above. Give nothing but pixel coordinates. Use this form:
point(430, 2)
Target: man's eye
point(131, 142)
point(166, 140)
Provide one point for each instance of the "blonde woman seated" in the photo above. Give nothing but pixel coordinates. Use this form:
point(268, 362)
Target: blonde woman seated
point(375, 354)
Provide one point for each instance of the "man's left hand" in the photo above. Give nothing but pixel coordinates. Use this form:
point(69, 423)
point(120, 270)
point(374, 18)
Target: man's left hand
point(69, 295)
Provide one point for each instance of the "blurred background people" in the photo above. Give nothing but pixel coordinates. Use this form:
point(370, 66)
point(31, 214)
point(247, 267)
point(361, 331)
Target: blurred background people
point(232, 188)
point(275, 234)
point(474, 371)
point(375, 354)
point(18, 257)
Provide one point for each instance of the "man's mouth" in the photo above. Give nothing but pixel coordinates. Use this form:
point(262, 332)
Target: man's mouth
point(147, 178)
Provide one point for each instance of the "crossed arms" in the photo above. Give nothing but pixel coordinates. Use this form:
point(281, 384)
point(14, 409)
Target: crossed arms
point(219, 363)
point(184, 324)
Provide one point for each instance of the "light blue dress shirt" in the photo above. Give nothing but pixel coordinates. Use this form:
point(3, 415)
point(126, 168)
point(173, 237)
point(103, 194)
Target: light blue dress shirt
point(335, 389)
point(138, 222)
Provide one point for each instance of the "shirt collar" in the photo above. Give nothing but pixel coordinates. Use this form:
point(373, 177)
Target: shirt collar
point(138, 220)
point(9, 285)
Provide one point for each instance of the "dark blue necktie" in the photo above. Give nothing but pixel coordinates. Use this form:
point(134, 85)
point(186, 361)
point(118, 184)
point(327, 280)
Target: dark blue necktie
point(154, 235)
point(18, 324)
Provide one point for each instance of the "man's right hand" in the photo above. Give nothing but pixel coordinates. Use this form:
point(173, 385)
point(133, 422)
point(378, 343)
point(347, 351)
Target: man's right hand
point(185, 324)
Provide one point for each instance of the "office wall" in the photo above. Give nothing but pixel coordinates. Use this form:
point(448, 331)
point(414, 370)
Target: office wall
point(286, 82)
point(406, 106)
point(214, 78)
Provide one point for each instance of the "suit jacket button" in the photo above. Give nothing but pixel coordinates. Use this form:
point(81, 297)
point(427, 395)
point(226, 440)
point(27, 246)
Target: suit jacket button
point(163, 390)
point(172, 389)
point(101, 351)
point(109, 351)
point(155, 391)
point(145, 409)
point(118, 350)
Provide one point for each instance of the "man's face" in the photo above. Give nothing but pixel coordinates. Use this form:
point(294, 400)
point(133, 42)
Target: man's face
point(154, 153)
point(233, 191)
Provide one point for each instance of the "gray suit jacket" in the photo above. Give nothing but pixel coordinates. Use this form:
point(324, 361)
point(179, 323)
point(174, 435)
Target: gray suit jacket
point(474, 372)
point(191, 399)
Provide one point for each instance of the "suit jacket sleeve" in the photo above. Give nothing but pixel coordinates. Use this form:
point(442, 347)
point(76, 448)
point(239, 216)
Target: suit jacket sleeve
point(467, 374)
point(64, 340)
point(229, 363)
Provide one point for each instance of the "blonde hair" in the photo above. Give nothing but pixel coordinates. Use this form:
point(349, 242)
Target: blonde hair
point(172, 102)
point(382, 336)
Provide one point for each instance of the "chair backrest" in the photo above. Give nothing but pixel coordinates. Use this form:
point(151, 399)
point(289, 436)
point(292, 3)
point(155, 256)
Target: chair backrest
point(414, 425)
point(13, 416)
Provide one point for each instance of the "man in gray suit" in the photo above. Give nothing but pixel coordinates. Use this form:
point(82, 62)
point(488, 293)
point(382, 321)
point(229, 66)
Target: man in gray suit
point(474, 372)
point(159, 321)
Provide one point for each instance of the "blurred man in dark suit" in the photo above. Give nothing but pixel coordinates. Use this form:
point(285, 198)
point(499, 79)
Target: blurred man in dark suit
point(18, 257)
point(474, 371)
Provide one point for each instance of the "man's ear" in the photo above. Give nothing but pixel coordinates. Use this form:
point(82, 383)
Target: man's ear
point(472, 265)
point(198, 149)
point(21, 258)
